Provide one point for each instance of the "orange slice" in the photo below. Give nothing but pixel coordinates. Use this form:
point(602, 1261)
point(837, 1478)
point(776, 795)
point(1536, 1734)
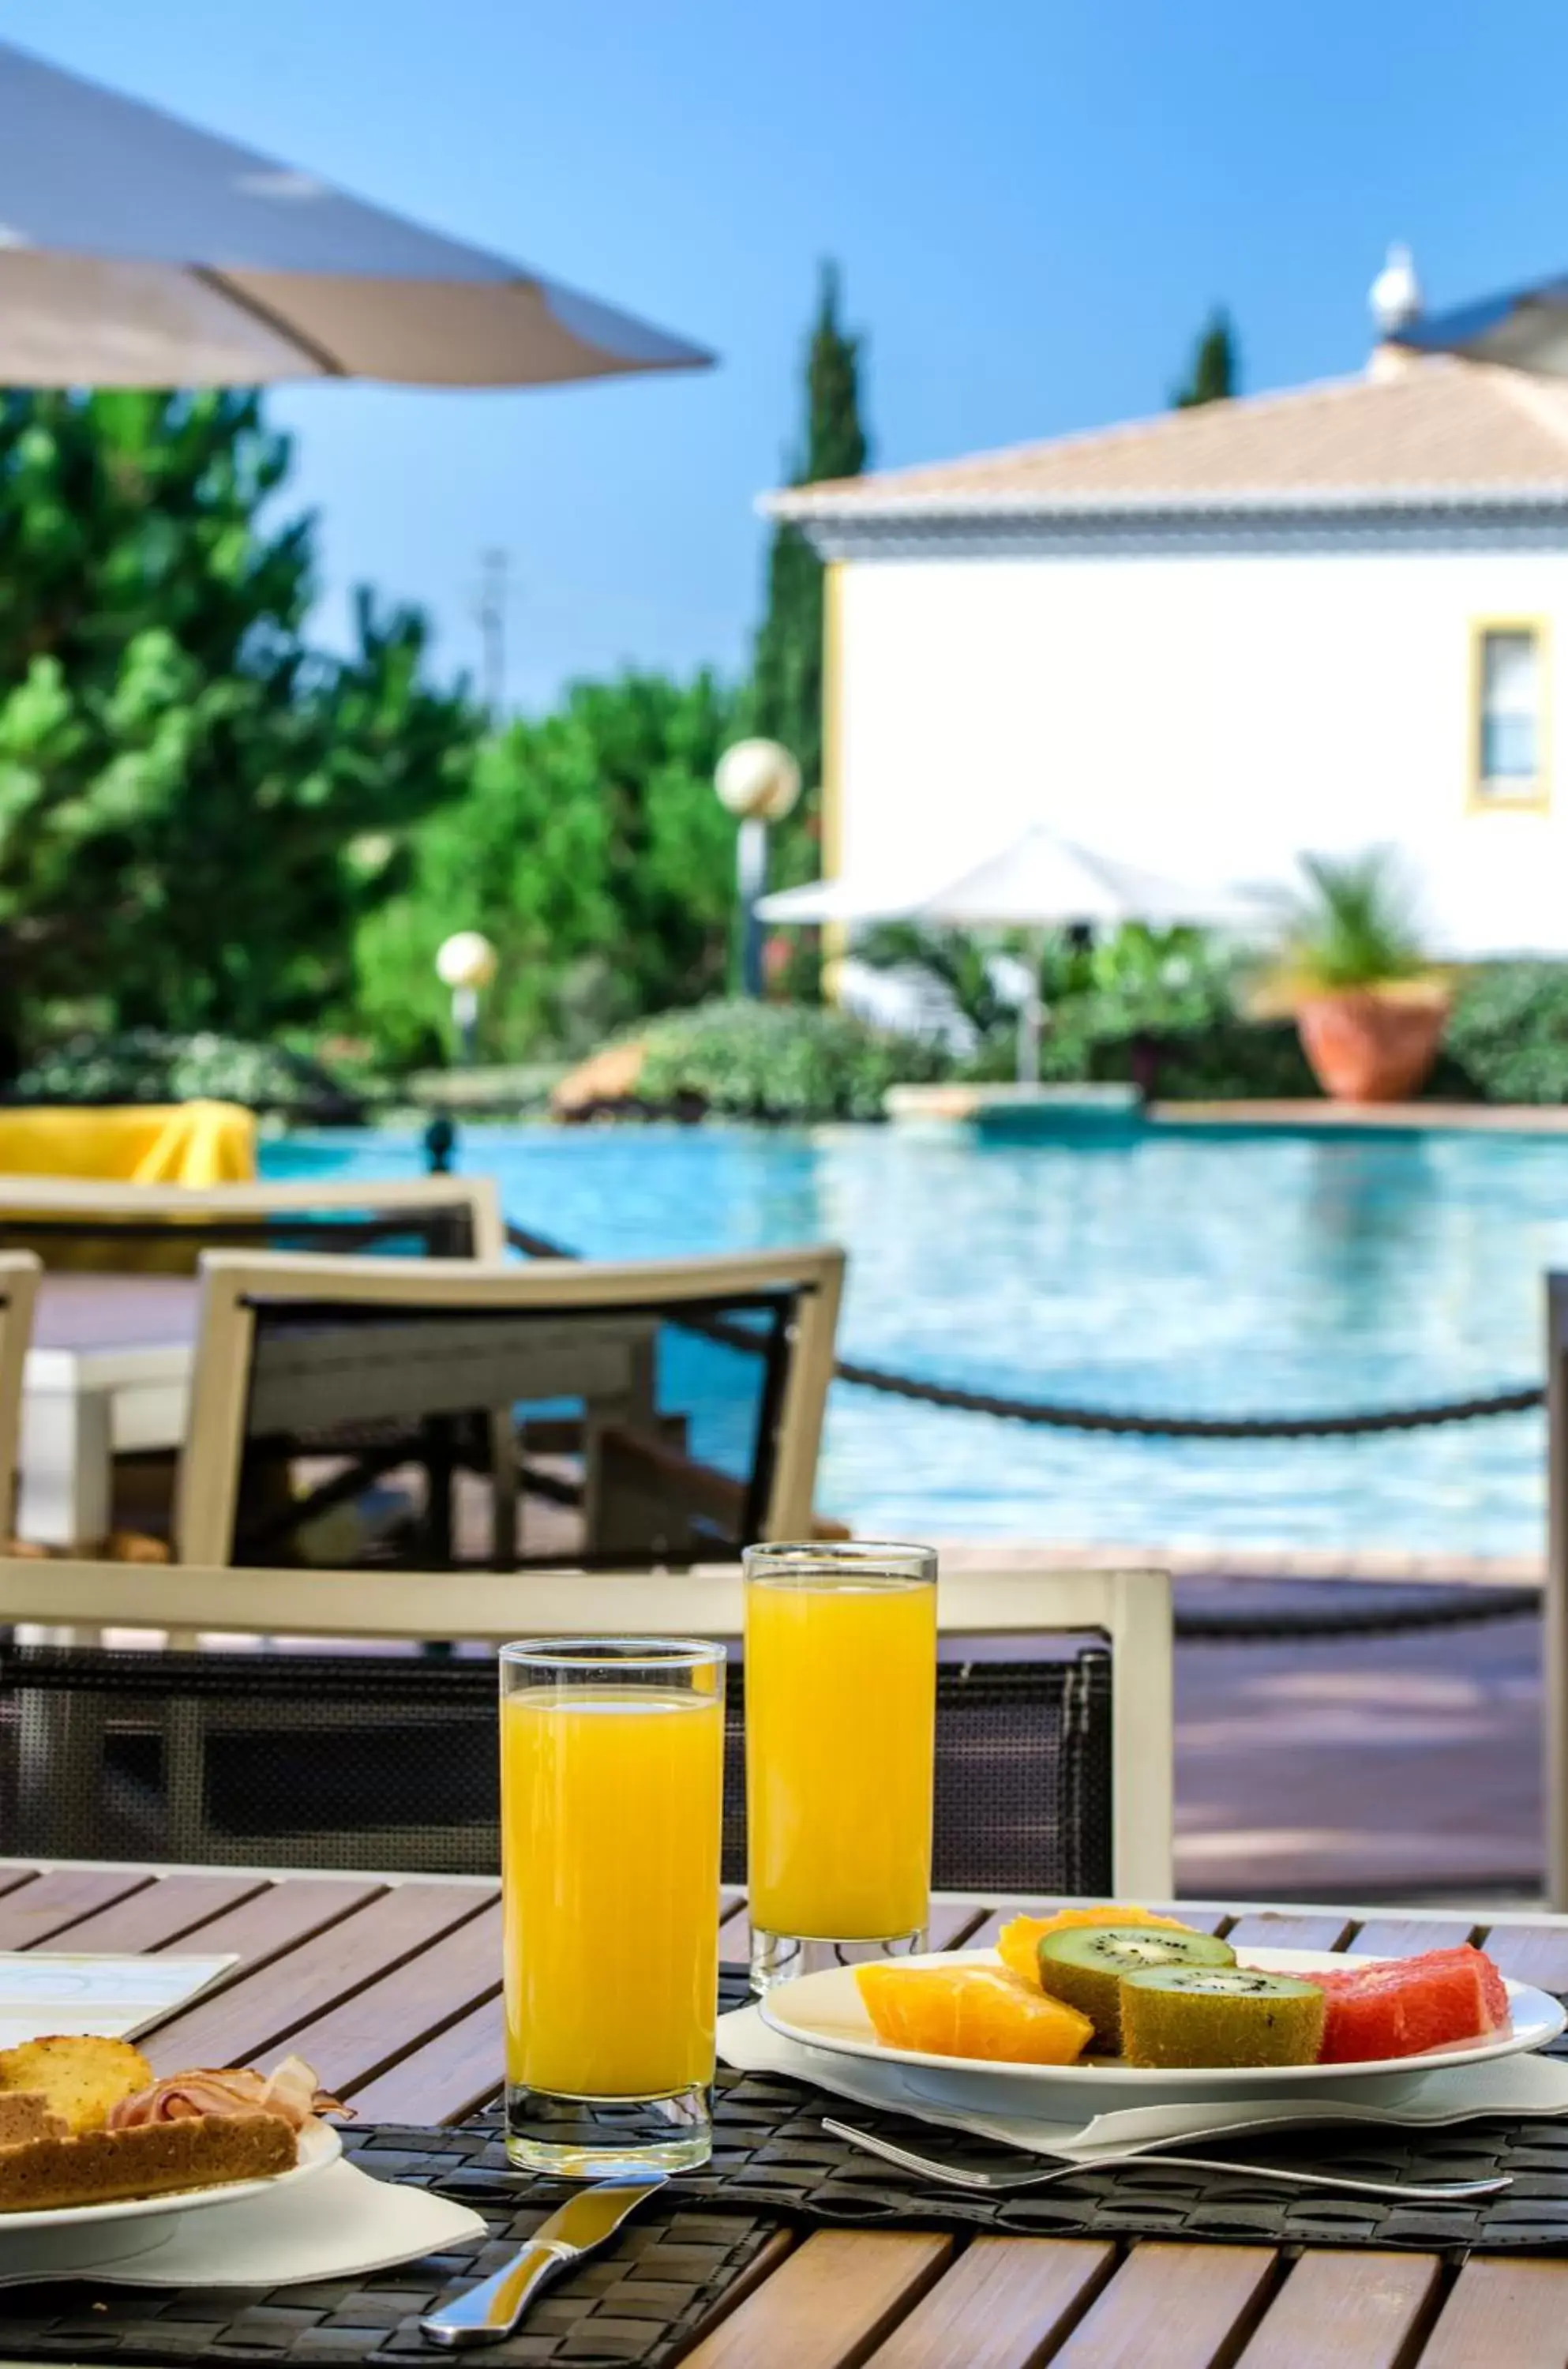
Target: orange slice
point(1018, 1942)
point(979, 2011)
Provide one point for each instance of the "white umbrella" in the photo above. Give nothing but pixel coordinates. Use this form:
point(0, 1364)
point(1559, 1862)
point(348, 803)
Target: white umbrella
point(136, 251)
point(1038, 878)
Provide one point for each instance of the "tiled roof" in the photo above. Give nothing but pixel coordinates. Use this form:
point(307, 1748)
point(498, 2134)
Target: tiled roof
point(1440, 429)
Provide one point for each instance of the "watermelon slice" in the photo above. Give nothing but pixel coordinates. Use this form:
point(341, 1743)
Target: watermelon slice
point(1406, 2006)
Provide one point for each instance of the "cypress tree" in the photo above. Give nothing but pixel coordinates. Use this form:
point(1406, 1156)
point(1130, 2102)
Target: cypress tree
point(1216, 368)
point(785, 701)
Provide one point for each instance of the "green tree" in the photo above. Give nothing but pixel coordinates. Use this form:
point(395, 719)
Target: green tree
point(195, 810)
point(590, 849)
point(1216, 371)
point(785, 701)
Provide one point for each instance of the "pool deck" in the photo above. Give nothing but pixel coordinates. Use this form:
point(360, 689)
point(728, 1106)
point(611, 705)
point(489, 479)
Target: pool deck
point(1389, 1118)
point(1047, 1110)
point(1393, 1767)
point(1380, 1566)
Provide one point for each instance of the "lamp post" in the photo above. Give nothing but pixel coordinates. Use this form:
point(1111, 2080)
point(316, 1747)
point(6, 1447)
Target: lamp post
point(758, 782)
point(465, 961)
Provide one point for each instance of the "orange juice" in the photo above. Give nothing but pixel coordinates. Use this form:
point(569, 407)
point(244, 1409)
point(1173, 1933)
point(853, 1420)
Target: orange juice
point(841, 1718)
point(610, 1828)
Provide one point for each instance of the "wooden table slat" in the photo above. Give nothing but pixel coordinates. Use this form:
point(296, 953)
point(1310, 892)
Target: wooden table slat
point(172, 1910)
point(1409, 1937)
point(61, 1898)
point(1173, 2307)
point(1347, 2311)
point(829, 2303)
point(256, 2009)
point(1502, 2315)
point(1002, 2305)
point(1264, 1929)
point(1536, 1954)
point(286, 1912)
point(444, 2078)
point(10, 1877)
point(378, 2024)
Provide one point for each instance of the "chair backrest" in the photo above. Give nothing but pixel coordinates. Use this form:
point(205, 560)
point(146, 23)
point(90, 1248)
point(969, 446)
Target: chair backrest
point(18, 1288)
point(1055, 1724)
point(76, 1221)
point(702, 1383)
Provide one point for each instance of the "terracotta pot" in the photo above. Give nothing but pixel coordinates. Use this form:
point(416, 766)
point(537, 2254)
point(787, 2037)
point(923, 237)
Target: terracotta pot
point(1373, 1044)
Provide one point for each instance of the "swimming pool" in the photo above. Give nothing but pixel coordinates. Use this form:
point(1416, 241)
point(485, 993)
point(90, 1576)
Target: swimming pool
point(1203, 1274)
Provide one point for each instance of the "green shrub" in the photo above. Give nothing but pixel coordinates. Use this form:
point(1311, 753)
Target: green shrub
point(590, 850)
point(1509, 1032)
point(145, 1066)
point(780, 1062)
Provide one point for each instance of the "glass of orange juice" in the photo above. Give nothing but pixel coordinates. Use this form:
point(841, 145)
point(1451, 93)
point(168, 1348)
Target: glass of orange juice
point(612, 1785)
point(840, 1720)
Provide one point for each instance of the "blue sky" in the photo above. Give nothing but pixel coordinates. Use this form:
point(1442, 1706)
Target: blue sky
point(1033, 204)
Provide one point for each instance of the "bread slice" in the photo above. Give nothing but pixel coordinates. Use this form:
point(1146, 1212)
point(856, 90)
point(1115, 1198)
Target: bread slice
point(153, 2159)
point(81, 2075)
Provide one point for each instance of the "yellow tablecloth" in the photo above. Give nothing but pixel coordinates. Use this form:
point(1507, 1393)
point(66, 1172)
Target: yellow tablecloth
point(147, 1143)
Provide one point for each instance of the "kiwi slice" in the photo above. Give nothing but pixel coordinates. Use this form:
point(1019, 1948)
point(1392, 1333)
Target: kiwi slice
point(1220, 2015)
point(1085, 1964)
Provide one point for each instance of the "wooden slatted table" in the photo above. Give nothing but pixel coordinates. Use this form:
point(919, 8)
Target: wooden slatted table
point(391, 1987)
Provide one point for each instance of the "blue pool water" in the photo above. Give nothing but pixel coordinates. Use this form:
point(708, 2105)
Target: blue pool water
point(1209, 1275)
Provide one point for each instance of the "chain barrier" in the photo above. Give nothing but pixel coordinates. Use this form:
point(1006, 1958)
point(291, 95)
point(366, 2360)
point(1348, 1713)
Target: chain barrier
point(1051, 1414)
point(1468, 1607)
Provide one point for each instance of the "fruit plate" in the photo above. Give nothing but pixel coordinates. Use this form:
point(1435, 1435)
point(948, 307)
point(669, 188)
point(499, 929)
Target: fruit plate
point(824, 2012)
point(319, 2147)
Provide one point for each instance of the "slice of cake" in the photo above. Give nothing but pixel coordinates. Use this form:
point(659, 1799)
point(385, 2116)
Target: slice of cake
point(83, 2121)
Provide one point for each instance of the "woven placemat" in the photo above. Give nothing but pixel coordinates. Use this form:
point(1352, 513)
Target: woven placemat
point(637, 2305)
point(770, 2152)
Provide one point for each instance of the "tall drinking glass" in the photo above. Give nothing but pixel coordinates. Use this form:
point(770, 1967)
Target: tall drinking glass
point(612, 1784)
point(840, 1721)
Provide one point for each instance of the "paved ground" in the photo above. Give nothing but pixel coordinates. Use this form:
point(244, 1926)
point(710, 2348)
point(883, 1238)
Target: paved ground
point(1358, 1767)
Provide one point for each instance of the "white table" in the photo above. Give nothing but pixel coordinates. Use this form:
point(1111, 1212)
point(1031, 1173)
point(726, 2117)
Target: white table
point(108, 1371)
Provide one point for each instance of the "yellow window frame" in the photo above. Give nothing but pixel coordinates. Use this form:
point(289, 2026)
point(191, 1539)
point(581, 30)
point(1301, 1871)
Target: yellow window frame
point(1536, 796)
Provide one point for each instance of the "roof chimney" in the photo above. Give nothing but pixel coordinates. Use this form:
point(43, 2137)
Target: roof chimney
point(1395, 300)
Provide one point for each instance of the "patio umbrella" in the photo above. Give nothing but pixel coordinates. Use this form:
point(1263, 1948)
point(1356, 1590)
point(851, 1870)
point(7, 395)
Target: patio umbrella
point(1037, 880)
point(1527, 328)
point(136, 251)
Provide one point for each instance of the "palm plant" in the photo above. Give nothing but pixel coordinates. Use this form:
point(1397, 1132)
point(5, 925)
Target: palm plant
point(1352, 932)
point(1369, 1005)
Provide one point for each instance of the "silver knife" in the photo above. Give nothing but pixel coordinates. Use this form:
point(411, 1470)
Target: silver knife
point(491, 2311)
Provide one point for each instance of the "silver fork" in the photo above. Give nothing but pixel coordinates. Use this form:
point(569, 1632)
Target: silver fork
point(999, 2183)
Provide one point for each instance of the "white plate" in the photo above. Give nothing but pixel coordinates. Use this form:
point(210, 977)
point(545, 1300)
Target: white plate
point(825, 2011)
point(319, 2147)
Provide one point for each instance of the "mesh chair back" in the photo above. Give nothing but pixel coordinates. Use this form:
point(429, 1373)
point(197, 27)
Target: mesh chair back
point(655, 1425)
point(385, 1762)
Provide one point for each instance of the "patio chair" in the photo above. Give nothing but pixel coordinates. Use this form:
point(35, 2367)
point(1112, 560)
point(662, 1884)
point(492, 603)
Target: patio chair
point(116, 1243)
point(689, 1392)
point(18, 1288)
point(71, 1221)
point(1054, 1717)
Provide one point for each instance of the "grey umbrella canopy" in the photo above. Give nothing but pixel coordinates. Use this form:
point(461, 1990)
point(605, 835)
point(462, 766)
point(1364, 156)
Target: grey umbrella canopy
point(1527, 328)
point(136, 251)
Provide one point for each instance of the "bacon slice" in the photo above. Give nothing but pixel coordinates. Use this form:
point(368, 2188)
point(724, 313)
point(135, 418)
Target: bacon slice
point(290, 2092)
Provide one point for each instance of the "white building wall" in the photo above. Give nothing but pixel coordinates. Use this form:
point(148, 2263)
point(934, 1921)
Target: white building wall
point(1210, 715)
